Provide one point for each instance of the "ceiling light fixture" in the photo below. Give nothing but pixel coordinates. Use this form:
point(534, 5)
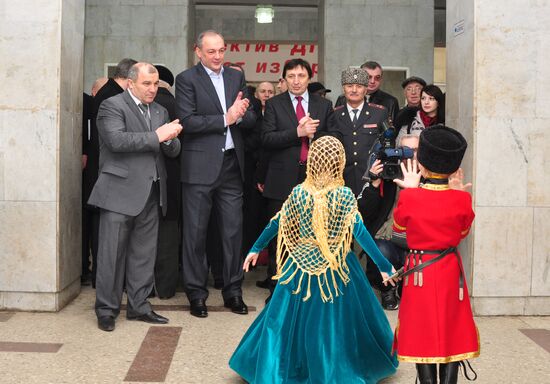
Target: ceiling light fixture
point(264, 13)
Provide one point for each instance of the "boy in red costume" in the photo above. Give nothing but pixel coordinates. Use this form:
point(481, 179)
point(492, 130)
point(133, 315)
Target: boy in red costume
point(436, 324)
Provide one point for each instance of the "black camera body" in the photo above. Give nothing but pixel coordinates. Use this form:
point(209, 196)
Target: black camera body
point(390, 156)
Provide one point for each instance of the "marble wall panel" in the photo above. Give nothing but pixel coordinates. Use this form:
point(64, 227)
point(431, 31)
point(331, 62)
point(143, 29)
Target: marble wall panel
point(542, 92)
point(28, 246)
point(143, 31)
point(538, 167)
point(498, 306)
point(30, 66)
point(2, 184)
point(541, 253)
point(503, 248)
point(501, 161)
point(506, 84)
point(28, 141)
point(374, 40)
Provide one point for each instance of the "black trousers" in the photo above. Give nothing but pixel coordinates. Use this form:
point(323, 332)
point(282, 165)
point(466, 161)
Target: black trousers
point(226, 195)
point(90, 235)
point(167, 262)
point(394, 254)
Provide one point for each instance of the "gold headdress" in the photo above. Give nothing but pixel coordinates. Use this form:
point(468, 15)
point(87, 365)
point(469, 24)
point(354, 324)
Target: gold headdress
point(316, 223)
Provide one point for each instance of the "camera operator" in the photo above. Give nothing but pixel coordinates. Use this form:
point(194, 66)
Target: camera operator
point(357, 125)
point(376, 203)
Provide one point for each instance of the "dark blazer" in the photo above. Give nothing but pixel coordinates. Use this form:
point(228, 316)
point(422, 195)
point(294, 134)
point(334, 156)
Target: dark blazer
point(383, 98)
point(201, 114)
point(129, 156)
point(280, 138)
point(173, 170)
point(358, 140)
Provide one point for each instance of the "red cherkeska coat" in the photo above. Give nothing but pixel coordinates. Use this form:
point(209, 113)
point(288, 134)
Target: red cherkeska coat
point(435, 325)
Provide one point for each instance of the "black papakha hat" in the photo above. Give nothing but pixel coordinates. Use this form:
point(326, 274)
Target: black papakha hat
point(441, 149)
point(413, 79)
point(165, 74)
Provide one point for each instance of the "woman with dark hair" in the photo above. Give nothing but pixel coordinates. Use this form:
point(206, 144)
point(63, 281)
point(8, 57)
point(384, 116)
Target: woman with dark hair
point(413, 120)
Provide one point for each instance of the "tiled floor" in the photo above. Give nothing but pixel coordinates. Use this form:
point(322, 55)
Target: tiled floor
point(67, 347)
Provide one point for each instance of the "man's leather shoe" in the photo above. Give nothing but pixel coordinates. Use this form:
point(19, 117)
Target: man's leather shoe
point(198, 308)
point(389, 299)
point(151, 317)
point(237, 305)
point(106, 323)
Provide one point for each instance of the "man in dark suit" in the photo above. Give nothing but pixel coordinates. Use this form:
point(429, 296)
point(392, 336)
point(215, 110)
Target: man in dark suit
point(168, 251)
point(212, 105)
point(134, 133)
point(357, 121)
point(291, 120)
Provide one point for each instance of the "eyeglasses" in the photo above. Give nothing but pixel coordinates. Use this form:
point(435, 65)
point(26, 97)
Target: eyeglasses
point(416, 89)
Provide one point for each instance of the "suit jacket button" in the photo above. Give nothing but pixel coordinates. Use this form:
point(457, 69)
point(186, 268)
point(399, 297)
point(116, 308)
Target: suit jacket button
point(354, 133)
point(354, 153)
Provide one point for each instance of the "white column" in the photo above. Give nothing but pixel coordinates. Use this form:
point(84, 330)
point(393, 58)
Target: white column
point(498, 96)
point(40, 150)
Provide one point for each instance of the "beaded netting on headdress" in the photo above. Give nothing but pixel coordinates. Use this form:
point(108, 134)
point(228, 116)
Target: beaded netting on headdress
point(316, 223)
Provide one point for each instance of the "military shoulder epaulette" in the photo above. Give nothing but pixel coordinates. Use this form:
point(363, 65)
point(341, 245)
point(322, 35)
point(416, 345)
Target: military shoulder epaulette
point(376, 106)
point(338, 107)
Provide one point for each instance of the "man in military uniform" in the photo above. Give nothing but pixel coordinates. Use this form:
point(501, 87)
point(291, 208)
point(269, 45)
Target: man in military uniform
point(357, 123)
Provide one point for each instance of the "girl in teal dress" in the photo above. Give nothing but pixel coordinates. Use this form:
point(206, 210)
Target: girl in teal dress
point(323, 323)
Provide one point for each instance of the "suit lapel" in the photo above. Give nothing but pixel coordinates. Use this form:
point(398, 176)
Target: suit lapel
point(206, 83)
point(155, 116)
point(289, 108)
point(135, 109)
point(227, 86)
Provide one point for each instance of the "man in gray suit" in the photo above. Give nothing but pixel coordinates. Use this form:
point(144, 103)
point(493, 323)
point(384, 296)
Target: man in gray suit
point(211, 102)
point(134, 134)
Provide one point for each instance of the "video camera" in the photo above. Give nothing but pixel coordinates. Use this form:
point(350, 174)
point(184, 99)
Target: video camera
point(390, 156)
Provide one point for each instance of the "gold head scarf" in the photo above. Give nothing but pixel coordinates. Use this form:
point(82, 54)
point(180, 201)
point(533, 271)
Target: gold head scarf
point(316, 223)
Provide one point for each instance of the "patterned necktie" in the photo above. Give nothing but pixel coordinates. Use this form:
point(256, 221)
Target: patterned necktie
point(354, 121)
point(145, 110)
point(300, 113)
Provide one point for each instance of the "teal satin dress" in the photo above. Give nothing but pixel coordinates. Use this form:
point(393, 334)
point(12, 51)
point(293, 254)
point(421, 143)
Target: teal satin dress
point(346, 341)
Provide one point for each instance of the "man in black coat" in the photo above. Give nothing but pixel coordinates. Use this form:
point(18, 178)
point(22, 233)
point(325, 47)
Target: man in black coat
point(291, 120)
point(168, 249)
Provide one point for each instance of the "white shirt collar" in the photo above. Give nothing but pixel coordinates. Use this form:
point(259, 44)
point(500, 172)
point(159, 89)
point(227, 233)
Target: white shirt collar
point(350, 109)
point(211, 72)
point(136, 100)
point(305, 96)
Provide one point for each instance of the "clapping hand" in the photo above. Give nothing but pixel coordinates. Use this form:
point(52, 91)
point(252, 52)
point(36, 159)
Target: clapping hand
point(411, 175)
point(169, 131)
point(307, 126)
point(237, 110)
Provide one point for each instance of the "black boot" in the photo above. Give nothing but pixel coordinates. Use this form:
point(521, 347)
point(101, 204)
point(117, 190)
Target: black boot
point(448, 373)
point(427, 373)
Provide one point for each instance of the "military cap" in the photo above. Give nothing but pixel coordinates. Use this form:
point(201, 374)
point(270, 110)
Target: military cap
point(355, 76)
